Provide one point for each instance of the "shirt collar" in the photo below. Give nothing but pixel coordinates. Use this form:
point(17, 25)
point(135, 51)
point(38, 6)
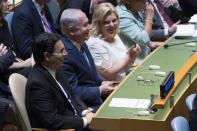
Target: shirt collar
point(50, 71)
point(38, 7)
point(91, 9)
point(77, 45)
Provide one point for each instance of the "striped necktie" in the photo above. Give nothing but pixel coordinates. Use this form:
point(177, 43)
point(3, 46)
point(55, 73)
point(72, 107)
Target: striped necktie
point(71, 99)
point(163, 13)
point(45, 22)
point(85, 57)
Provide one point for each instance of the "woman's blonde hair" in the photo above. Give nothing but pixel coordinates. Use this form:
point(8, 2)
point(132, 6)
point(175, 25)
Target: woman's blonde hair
point(100, 13)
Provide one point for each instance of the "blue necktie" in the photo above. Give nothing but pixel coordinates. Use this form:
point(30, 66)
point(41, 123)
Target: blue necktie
point(85, 57)
point(70, 97)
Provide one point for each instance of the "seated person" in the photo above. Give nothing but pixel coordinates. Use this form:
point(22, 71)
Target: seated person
point(167, 14)
point(9, 62)
point(78, 64)
point(49, 99)
point(109, 53)
point(6, 60)
point(87, 6)
point(8, 65)
point(133, 28)
point(193, 116)
point(31, 18)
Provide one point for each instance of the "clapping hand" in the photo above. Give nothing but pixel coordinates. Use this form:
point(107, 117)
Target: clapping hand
point(133, 52)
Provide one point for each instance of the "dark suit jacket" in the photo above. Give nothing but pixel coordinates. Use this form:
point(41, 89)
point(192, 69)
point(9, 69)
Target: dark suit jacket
point(193, 116)
point(5, 62)
point(189, 7)
point(85, 81)
point(27, 24)
point(83, 5)
point(46, 104)
point(158, 27)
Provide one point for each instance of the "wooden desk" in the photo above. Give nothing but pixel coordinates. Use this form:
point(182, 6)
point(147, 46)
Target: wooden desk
point(14, 4)
point(172, 59)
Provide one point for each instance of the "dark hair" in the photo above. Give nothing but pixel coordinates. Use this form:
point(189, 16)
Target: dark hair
point(2, 20)
point(129, 3)
point(45, 42)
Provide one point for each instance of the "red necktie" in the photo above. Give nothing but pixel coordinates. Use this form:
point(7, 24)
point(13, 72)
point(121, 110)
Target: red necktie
point(163, 13)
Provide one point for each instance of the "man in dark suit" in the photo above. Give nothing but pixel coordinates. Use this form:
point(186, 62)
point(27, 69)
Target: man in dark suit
point(161, 30)
point(87, 6)
point(31, 18)
point(49, 99)
point(78, 64)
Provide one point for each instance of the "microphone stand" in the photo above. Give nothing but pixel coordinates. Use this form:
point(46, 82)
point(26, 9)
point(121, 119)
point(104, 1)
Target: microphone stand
point(166, 45)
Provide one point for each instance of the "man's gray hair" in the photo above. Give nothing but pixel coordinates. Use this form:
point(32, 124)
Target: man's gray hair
point(68, 18)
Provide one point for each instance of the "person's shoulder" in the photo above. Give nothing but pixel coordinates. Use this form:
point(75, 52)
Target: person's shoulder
point(122, 11)
point(95, 41)
point(37, 74)
point(121, 8)
point(67, 43)
point(92, 40)
point(22, 9)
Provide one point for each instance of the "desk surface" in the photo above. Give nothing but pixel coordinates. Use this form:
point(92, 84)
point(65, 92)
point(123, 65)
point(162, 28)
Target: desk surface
point(170, 59)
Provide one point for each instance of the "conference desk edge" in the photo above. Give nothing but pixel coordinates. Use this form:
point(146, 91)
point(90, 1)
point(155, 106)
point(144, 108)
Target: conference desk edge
point(119, 124)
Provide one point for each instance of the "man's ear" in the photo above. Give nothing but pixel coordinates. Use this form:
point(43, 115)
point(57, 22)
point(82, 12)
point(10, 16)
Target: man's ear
point(71, 30)
point(47, 56)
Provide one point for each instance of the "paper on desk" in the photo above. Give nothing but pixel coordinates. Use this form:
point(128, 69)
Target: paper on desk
point(129, 103)
point(184, 31)
point(195, 33)
point(193, 19)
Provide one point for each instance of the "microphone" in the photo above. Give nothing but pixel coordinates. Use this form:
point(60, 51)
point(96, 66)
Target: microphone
point(166, 45)
point(152, 99)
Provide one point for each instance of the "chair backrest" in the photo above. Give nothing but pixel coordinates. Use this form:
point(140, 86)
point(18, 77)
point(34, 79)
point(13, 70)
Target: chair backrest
point(8, 18)
point(189, 101)
point(179, 123)
point(17, 84)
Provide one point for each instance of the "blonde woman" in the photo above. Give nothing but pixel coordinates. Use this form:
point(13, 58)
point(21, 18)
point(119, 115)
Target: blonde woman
point(111, 57)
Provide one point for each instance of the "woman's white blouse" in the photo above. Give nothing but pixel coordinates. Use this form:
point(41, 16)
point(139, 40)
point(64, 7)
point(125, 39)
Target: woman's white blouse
point(106, 54)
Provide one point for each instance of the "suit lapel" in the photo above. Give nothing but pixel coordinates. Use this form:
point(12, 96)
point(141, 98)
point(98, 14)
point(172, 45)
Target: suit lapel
point(36, 16)
point(156, 19)
point(77, 54)
point(49, 77)
point(89, 57)
point(49, 17)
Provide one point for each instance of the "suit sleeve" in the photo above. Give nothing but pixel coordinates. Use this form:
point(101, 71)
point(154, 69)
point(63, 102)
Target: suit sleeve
point(129, 27)
point(90, 95)
point(6, 61)
point(42, 101)
point(158, 35)
point(22, 34)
